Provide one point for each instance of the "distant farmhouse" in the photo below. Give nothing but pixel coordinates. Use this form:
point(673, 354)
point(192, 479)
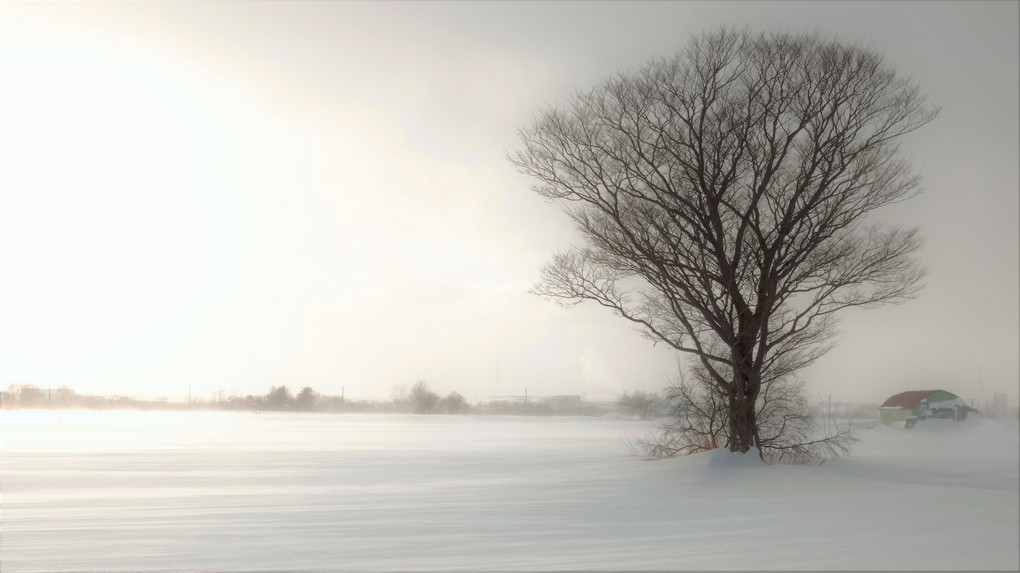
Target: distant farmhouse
point(922, 404)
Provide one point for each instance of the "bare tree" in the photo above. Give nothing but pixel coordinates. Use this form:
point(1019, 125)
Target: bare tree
point(645, 405)
point(724, 194)
point(307, 398)
point(278, 398)
point(423, 400)
point(454, 403)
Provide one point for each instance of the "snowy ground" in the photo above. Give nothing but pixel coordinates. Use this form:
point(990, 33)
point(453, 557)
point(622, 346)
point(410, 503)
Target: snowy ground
point(132, 491)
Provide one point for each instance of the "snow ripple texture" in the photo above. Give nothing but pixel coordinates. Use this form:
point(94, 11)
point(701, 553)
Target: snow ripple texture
point(214, 491)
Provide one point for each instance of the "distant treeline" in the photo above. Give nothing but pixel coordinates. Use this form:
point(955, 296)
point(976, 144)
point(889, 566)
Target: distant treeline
point(420, 399)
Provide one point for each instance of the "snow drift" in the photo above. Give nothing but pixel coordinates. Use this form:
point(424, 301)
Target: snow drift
point(229, 492)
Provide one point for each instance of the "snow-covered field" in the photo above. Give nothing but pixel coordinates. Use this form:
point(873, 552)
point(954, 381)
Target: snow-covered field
point(133, 491)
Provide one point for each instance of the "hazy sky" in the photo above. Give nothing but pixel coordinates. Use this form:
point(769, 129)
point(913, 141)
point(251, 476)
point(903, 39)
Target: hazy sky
point(238, 195)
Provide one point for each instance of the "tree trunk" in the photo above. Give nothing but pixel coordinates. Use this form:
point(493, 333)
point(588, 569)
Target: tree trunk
point(742, 423)
point(746, 385)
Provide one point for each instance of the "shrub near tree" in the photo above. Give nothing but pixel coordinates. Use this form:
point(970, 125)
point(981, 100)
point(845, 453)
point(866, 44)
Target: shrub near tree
point(725, 195)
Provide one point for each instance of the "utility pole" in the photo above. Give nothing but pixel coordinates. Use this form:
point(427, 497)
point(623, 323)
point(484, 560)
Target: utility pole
point(342, 400)
point(525, 399)
point(189, 397)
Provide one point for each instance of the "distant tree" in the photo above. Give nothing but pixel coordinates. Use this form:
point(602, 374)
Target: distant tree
point(423, 400)
point(65, 396)
point(219, 397)
point(400, 400)
point(251, 402)
point(725, 196)
point(307, 399)
point(645, 405)
point(27, 395)
point(278, 398)
point(453, 403)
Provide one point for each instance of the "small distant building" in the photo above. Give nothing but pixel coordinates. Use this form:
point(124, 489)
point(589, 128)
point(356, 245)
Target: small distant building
point(562, 403)
point(923, 404)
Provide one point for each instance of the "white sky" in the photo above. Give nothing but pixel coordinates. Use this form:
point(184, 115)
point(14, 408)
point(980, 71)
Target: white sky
point(239, 195)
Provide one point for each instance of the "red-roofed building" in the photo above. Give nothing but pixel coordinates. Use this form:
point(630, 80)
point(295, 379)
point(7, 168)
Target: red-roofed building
point(922, 404)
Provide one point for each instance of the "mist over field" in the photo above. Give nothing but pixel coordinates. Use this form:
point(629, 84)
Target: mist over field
point(214, 491)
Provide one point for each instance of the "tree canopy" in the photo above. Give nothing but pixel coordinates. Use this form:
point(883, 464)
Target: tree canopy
point(724, 196)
